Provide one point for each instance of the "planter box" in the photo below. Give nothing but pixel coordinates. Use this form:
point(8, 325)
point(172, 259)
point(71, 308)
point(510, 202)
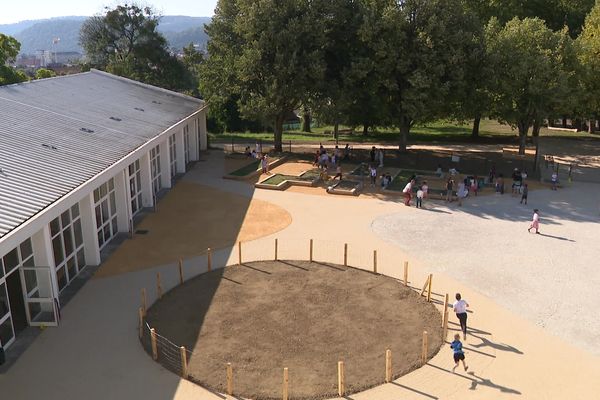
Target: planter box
point(344, 188)
point(272, 164)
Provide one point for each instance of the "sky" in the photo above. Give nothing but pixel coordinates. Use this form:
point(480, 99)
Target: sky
point(12, 11)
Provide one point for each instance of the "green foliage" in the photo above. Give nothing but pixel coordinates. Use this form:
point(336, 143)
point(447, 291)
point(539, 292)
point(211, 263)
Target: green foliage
point(44, 73)
point(125, 42)
point(531, 75)
point(588, 45)
point(9, 48)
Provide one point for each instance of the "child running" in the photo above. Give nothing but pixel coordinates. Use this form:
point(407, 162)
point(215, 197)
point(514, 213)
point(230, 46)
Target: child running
point(459, 354)
point(535, 222)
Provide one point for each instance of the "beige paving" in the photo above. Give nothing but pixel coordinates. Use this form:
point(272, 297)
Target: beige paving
point(95, 353)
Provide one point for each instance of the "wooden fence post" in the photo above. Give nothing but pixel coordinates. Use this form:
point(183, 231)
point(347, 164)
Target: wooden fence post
point(345, 254)
point(445, 327)
point(209, 259)
point(184, 365)
point(405, 273)
point(276, 245)
point(180, 271)
point(425, 286)
point(159, 290)
point(141, 318)
point(425, 349)
point(229, 379)
point(153, 344)
point(285, 384)
point(375, 261)
point(240, 252)
point(144, 301)
point(429, 288)
point(310, 252)
point(388, 365)
point(341, 380)
point(445, 310)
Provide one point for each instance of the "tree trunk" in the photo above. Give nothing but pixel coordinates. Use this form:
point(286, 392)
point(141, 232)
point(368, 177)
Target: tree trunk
point(591, 125)
point(564, 122)
point(577, 124)
point(278, 133)
point(523, 129)
point(306, 122)
point(365, 129)
point(404, 131)
point(475, 130)
point(336, 132)
point(551, 122)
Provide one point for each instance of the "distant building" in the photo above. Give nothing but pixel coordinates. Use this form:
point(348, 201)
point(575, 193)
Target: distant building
point(44, 58)
point(80, 157)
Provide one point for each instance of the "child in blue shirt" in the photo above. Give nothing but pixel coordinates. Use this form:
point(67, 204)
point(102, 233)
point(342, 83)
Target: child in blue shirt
point(459, 354)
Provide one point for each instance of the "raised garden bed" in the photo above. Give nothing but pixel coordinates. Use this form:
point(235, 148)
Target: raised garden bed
point(282, 182)
point(253, 169)
point(345, 187)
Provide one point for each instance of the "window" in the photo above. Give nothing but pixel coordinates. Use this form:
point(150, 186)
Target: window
point(173, 154)
point(67, 243)
point(155, 169)
point(135, 187)
point(106, 212)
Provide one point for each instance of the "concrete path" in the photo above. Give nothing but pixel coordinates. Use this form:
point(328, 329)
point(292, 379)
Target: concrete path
point(95, 354)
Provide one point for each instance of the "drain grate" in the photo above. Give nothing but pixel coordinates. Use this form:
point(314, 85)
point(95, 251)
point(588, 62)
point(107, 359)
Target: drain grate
point(142, 231)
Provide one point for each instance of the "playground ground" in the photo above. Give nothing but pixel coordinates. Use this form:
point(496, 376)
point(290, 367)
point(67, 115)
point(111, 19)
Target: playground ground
point(532, 297)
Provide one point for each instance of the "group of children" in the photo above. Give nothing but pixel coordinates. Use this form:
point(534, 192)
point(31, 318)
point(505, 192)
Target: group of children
point(422, 192)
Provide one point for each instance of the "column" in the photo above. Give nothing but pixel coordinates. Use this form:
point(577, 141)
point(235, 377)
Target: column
point(41, 243)
point(202, 130)
point(146, 175)
point(194, 143)
point(165, 163)
point(180, 151)
point(90, 231)
point(123, 200)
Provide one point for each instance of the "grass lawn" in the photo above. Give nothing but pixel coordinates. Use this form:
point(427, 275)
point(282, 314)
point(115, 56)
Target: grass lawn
point(441, 131)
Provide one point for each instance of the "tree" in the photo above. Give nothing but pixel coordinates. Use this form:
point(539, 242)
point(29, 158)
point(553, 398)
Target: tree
point(9, 49)
point(530, 78)
point(419, 50)
point(268, 53)
point(588, 53)
point(125, 42)
point(44, 73)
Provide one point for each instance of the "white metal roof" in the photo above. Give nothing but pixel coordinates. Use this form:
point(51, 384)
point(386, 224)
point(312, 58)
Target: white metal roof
point(57, 133)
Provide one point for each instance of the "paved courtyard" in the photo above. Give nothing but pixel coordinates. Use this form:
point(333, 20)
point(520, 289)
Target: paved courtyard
point(531, 297)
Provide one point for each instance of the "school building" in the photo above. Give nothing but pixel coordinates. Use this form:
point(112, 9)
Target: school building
point(80, 157)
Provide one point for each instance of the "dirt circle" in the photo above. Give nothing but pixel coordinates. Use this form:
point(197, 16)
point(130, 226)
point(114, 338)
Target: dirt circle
point(264, 316)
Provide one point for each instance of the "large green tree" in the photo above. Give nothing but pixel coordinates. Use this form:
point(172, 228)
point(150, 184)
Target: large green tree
point(9, 48)
point(588, 46)
point(268, 53)
point(125, 42)
point(531, 77)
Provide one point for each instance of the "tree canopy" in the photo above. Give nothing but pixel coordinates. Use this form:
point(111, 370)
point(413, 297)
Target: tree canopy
point(9, 48)
point(125, 42)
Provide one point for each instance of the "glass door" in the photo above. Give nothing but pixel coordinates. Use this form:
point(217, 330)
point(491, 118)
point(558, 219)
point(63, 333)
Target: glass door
point(41, 305)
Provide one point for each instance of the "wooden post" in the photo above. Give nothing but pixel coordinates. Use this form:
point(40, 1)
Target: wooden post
point(240, 252)
point(429, 288)
point(405, 273)
point(141, 317)
point(184, 365)
point(375, 261)
point(341, 380)
point(144, 301)
point(388, 365)
point(153, 344)
point(311, 251)
point(285, 384)
point(445, 327)
point(209, 259)
point(180, 271)
point(229, 379)
point(158, 286)
point(276, 249)
point(445, 310)
point(345, 254)
point(425, 348)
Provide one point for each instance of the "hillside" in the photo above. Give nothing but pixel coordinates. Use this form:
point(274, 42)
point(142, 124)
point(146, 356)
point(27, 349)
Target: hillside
point(38, 34)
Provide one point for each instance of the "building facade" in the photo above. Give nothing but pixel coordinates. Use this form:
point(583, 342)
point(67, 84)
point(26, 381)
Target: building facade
point(80, 157)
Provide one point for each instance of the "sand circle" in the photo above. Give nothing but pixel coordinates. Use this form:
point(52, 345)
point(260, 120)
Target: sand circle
point(264, 316)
